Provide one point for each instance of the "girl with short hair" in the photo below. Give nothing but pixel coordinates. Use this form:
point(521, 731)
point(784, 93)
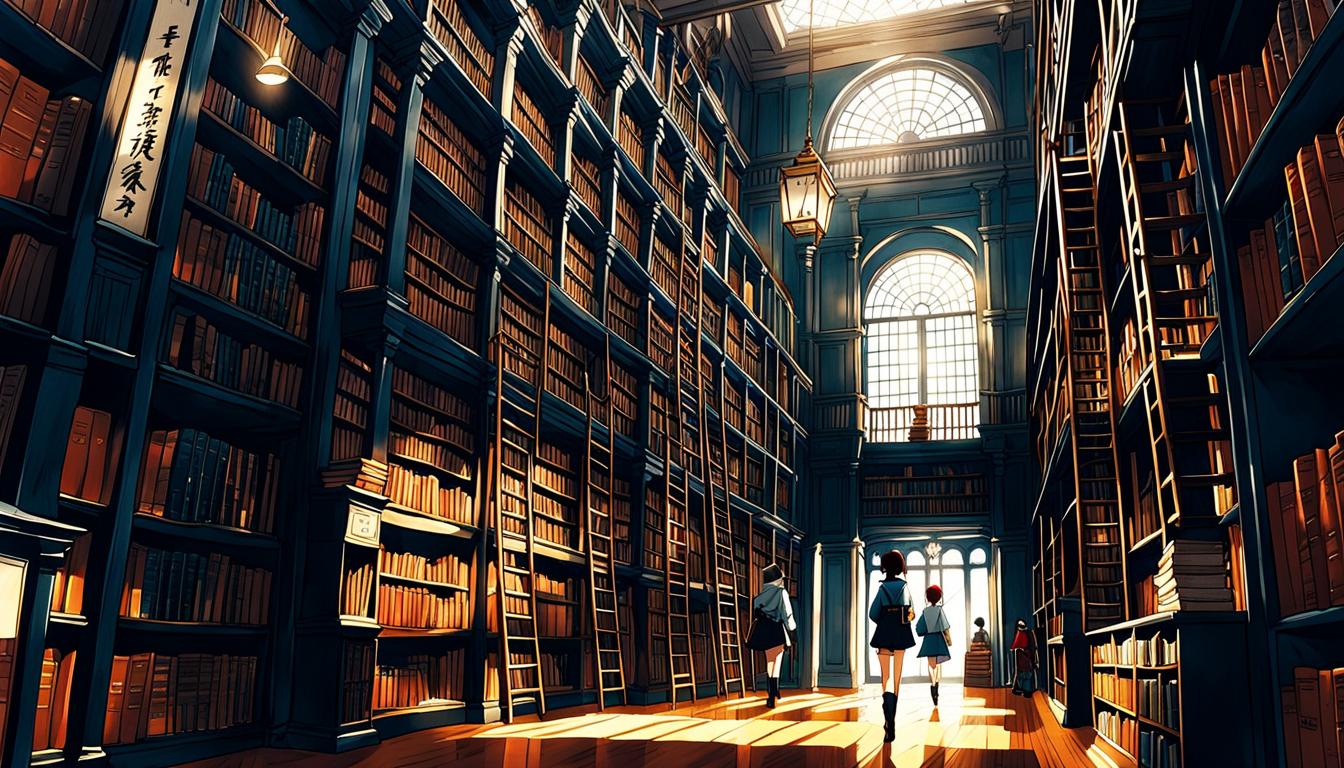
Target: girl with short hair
point(891, 611)
point(934, 627)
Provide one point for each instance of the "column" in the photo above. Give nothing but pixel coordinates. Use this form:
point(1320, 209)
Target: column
point(419, 59)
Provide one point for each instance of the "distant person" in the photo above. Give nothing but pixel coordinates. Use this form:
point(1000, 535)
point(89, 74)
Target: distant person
point(979, 664)
point(981, 637)
point(1024, 660)
point(771, 626)
point(936, 630)
point(892, 611)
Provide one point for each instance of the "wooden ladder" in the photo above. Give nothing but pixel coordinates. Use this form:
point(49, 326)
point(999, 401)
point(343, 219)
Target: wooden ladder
point(1096, 481)
point(601, 569)
point(1184, 411)
point(517, 415)
point(723, 565)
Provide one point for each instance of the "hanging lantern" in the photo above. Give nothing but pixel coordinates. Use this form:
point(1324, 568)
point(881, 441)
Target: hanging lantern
point(806, 194)
point(806, 191)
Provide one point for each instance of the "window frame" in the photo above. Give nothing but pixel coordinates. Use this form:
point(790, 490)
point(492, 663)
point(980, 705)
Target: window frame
point(963, 74)
point(888, 272)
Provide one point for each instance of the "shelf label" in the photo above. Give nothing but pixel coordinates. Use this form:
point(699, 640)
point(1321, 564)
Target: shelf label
point(363, 527)
point(129, 195)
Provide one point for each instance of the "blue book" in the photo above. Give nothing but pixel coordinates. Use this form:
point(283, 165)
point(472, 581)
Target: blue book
point(149, 596)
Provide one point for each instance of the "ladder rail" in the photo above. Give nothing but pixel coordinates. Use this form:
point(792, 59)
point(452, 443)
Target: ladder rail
point(601, 565)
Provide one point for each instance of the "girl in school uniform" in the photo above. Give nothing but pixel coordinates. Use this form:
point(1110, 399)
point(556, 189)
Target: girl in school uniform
point(934, 627)
point(772, 626)
point(892, 612)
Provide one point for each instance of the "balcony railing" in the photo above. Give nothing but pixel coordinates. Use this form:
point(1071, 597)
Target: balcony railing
point(958, 421)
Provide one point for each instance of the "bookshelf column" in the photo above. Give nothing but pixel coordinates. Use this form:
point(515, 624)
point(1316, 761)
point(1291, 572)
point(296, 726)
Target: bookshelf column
point(575, 23)
point(422, 57)
point(349, 151)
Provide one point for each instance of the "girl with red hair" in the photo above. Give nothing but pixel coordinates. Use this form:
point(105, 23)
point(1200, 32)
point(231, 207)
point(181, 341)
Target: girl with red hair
point(934, 627)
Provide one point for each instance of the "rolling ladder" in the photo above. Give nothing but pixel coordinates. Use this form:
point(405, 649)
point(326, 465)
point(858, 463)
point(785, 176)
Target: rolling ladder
point(677, 498)
point(601, 569)
point(1184, 410)
point(517, 414)
point(1096, 481)
point(722, 565)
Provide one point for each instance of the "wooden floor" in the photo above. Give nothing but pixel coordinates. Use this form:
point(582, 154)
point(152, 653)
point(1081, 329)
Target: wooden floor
point(823, 729)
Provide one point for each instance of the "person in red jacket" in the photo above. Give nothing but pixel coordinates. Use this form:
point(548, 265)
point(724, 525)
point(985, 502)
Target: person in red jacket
point(1024, 660)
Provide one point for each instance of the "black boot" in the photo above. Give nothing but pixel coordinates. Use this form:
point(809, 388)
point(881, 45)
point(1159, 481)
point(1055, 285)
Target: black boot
point(889, 717)
point(770, 695)
point(774, 686)
point(935, 694)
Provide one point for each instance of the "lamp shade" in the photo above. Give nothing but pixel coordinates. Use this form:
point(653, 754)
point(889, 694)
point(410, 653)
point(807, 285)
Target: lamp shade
point(273, 71)
point(806, 194)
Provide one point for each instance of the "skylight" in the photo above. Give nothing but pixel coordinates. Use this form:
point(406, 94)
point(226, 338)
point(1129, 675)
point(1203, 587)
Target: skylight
point(837, 13)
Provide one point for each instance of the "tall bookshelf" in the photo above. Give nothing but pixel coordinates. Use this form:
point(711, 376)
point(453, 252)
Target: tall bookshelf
point(1224, 432)
point(292, 537)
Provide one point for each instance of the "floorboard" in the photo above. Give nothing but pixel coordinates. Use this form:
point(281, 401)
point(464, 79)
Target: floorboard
point(830, 728)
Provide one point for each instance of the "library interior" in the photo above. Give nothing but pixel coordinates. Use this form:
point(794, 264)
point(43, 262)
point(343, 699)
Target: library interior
point(671, 383)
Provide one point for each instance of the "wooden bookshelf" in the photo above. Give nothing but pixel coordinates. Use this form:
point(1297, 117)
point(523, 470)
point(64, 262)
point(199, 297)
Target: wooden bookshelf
point(294, 300)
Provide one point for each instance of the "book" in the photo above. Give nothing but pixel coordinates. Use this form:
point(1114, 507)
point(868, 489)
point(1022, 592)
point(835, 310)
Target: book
point(27, 279)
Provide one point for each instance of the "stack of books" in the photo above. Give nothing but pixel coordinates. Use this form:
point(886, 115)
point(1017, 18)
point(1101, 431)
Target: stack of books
point(1192, 576)
point(979, 666)
point(366, 474)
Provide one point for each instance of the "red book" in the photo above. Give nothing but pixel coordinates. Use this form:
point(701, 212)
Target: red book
point(94, 486)
point(18, 131)
point(45, 686)
point(136, 695)
point(1331, 160)
point(116, 696)
point(77, 452)
point(1332, 552)
point(1306, 241)
point(1318, 205)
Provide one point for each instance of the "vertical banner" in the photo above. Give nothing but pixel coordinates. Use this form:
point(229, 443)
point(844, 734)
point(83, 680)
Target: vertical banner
point(129, 196)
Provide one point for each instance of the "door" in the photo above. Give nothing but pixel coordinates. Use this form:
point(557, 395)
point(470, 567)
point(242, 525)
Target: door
point(961, 568)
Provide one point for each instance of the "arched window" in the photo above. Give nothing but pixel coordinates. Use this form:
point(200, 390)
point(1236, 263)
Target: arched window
point(910, 103)
point(919, 318)
point(835, 13)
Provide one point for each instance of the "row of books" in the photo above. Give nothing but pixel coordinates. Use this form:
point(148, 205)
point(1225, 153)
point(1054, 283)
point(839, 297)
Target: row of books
point(154, 694)
point(1120, 729)
point(358, 588)
point(88, 26)
point(1116, 689)
point(187, 586)
point(555, 521)
point(383, 97)
point(27, 279)
point(444, 569)
point(419, 418)
point(92, 451)
point(227, 265)
point(1306, 531)
point(1271, 271)
point(262, 24)
point(428, 451)
point(442, 283)
point(214, 183)
point(199, 347)
point(53, 695)
point(67, 594)
point(566, 671)
point(295, 143)
point(557, 605)
point(41, 140)
point(192, 477)
point(1158, 750)
point(1159, 700)
point(450, 26)
point(1313, 717)
point(1155, 651)
point(356, 680)
point(421, 680)
point(419, 608)
point(1192, 576)
point(450, 155)
point(424, 493)
point(1315, 183)
point(350, 406)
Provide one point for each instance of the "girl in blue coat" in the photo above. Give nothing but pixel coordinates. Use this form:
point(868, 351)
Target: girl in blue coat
point(891, 611)
point(931, 626)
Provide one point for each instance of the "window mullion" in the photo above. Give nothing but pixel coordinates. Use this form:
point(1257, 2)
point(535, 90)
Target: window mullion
point(923, 365)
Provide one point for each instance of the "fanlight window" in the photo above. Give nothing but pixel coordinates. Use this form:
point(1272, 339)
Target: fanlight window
point(835, 13)
point(905, 106)
point(919, 319)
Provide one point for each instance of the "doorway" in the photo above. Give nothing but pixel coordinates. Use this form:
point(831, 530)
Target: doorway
point(961, 568)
